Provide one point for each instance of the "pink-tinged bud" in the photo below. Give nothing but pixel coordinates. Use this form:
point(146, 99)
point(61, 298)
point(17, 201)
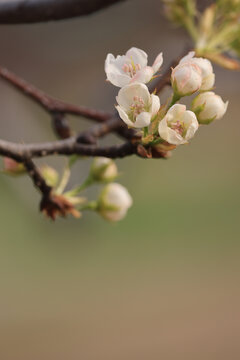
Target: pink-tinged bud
point(12, 167)
point(208, 107)
point(208, 76)
point(103, 169)
point(186, 79)
point(114, 202)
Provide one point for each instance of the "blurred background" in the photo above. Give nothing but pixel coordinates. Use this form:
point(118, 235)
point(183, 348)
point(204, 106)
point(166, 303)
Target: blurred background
point(164, 282)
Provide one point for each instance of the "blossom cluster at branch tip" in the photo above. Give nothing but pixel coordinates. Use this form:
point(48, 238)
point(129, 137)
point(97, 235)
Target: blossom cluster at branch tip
point(140, 109)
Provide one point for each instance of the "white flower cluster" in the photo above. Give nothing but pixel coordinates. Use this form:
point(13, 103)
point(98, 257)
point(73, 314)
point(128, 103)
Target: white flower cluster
point(139, 109)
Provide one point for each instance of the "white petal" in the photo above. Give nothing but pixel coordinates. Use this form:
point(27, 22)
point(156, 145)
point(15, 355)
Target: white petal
point(142, 120)
point(138, 56)
point(116, 64)
point(109, 59)
point(123, 115)
point(118, 80)
point(157, 63)
point(205, 65)
point(155, 104)
point(190, 120)
point(126, 95)
point(163, 128)
point(115, 215)
point(177, 110)
point(169, 135)
point(120, 61)
point(187, 78)
point(187, 57)
point(175, 138)
point(117, 195)
point(208, 82)
point(114, 70)
point(143, 76)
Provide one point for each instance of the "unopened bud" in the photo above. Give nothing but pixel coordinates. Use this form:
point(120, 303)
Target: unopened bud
point(103, 169)
point(50, 175)
point(12, 167)
point(207, 74)
point(208, 107)
point(114, 202)
point(186, 79)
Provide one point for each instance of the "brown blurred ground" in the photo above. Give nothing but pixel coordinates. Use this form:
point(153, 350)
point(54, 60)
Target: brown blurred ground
point(162, 284)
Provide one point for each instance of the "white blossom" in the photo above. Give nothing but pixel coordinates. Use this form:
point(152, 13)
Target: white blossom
point(136, 106)
point(186, 79)
point(178, 125)
point(104, 169)
point(131, 67)
point(114, 202)
point(208, 107)
point(208, 76)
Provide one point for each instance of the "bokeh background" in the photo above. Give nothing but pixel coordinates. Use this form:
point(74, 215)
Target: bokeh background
point(164, 282)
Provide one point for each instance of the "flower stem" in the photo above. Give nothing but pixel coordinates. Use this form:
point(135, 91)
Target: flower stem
point(91, 205)
point(66, 174)
point(145, 131)
point(88, 182)
point(175, 98)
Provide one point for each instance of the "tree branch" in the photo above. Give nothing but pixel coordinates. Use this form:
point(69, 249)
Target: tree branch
point(57, 109)
point(22, 152)
point(36, 177)
point(47, 102)
point(33, 11)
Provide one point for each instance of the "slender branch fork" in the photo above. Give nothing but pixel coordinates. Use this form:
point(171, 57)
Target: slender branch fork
point(85, 143)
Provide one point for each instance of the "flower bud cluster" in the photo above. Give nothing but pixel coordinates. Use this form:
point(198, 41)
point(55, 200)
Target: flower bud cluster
point(114, 200)
point(140, 109)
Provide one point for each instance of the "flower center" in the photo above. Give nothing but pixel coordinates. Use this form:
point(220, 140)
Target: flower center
point(136, 108)
point(131, 69)
point(178, 126)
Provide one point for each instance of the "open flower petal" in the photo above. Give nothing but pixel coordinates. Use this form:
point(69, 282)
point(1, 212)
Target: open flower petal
point(176, 110)
point(131, 67)
point(155, 104)
point(143, 120)
point(157, 63)
point(123, 115)
point(143, 76)
point(178, 125)
point(138, 56)
point(127, 94)
point(136, 106)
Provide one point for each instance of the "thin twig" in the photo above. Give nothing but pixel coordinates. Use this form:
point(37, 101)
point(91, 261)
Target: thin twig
point(49, 103)
point(36, 176)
